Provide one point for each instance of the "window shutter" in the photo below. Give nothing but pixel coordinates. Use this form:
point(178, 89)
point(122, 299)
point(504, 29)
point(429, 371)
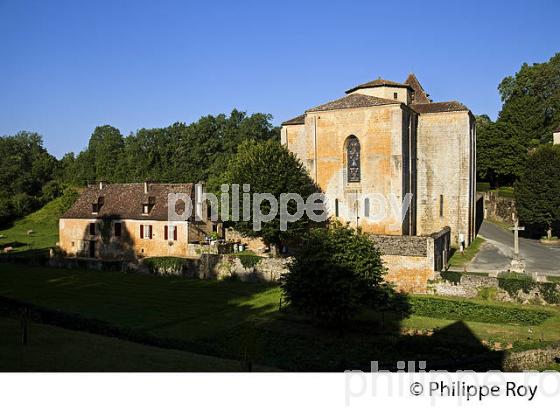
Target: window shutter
point(174, 233)
point(165, 232)
point(141, 231)
point(150, 229)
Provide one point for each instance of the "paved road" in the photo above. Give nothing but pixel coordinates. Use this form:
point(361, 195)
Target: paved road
point(496, 253)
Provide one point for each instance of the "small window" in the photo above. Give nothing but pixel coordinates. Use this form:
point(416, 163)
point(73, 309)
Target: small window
point(145, 231)
point(396, 96)
point(336, 208)
point(441, 205)
point(92, 228)
point(366, 207)
point(118, 229)
point(146, 209)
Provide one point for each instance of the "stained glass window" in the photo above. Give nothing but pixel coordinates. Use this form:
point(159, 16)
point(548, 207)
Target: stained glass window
point(353, 159)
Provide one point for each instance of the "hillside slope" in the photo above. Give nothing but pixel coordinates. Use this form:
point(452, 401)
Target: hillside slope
point(43, 223)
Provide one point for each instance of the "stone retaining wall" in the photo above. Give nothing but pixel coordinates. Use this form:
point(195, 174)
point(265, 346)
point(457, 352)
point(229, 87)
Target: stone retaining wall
point(412, 261)
point(499, 208)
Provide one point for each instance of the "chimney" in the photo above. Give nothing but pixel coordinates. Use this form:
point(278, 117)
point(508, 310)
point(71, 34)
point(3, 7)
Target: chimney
point(145, 187)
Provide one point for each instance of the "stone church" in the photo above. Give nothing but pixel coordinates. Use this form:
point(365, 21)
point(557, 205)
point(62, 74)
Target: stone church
point(389, 138)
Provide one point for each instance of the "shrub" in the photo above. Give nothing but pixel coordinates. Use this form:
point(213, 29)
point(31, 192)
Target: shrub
point(165, 264)
point(512, 283)
point(450, 276)
point(336, 272)
point(476, 312)
point(248, 260)
point(487, 293)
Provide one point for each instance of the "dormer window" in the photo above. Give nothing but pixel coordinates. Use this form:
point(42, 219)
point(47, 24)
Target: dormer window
point(147, 207)
point(96, 206)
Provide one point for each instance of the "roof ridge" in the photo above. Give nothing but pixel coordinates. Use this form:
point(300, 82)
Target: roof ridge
point(339, 103)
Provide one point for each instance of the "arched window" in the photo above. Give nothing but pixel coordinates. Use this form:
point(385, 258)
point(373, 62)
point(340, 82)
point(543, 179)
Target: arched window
point(353, 159)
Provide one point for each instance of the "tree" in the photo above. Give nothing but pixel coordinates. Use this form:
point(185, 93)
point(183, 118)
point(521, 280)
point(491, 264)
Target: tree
point(530, 112)
point(336, 273)
point(538, 190)
point(268, 167)
point(532, 101)
point(500, 154)
point(26, 169)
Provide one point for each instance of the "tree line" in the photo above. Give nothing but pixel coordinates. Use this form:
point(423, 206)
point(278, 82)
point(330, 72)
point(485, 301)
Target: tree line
point(529, 115)
point(200, 151)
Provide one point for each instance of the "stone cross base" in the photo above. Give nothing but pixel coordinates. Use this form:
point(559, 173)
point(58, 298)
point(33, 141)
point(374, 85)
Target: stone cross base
point(517, 265)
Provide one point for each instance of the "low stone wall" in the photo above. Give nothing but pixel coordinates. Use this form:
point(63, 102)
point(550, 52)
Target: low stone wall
point(499, 208)
point(470, 286)
point(412, 261)
point(536, 359)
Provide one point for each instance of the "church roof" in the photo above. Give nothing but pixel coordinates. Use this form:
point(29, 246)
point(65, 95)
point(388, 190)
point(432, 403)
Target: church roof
point(380, 82)
point(300, 119)
point(354, 101)
point(446, 106)
point(420, 95)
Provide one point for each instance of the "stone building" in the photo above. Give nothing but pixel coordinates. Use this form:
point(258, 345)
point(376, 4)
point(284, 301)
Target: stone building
point(130, 221)
point(382, 141)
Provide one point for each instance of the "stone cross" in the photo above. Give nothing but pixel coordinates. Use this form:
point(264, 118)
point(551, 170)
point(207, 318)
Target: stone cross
point(516, 228)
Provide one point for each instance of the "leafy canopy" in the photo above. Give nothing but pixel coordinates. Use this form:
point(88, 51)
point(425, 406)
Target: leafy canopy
point(336, 273)
point(268, 167)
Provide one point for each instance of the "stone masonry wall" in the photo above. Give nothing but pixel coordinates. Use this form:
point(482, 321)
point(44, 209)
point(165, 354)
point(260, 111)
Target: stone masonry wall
point(412, 261)
point(499, 208)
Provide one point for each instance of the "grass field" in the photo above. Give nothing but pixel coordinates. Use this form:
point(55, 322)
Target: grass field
point(43, 223)
point(238, 320)
point(51, 348)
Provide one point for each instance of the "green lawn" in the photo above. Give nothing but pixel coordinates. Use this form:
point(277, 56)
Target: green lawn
point(43, 223)
point(236, 320)
point(51, 348)
point(458, 260)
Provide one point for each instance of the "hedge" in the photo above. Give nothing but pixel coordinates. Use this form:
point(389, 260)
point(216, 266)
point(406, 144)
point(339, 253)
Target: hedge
point(513, 283)
point(165, 264)
point(464, 310)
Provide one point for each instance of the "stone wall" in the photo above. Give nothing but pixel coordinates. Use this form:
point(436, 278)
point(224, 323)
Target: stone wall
point(253, 244)
point(536, 359)
point(412, 261)
point(445, 166)
point(499, 208)
point(470, 286)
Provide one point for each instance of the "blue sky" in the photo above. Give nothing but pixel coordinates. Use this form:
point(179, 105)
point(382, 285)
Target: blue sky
point(68, 66)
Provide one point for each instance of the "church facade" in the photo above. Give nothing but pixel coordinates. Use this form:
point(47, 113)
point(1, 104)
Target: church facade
point(387, 142)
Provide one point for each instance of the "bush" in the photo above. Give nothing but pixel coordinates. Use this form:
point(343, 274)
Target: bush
point(512, 283)
point(248, 260)
point(476, 312)
point(336, 272)
point(165, 264)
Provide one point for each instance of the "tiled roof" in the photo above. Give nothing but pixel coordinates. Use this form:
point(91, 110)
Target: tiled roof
point(354, 101)
point(557, 129)
point(125, 201)
point(420, 96)
point(300, 119)
point(447, 106)
point(378, 83)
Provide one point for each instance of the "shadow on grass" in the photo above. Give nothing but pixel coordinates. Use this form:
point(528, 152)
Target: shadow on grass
point(230, 320)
